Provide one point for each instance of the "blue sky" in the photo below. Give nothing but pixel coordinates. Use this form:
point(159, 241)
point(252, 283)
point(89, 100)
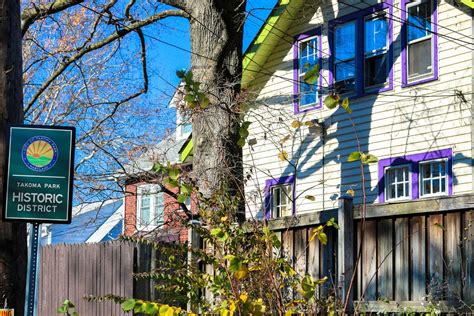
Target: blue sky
point(165, 59)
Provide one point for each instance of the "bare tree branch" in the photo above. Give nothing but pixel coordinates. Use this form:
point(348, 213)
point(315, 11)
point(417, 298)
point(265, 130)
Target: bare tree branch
point(30, 15)
point(87, 49)
point(180, 4)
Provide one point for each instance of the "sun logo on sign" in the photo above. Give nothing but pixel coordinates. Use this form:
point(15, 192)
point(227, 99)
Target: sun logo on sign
point(39, 153)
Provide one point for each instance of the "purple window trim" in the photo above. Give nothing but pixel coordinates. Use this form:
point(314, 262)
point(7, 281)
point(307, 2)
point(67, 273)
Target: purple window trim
point(268, 197)
point(413, 161)
point(359, 16)
point(297, 40)
point(434, 26)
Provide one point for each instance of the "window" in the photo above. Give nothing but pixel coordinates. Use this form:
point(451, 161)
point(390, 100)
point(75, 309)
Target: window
point(345, 54)
point(281, 201)
point(184, 126)
point(433, 178)
point(419, 56)
point(307, 54)
point(397, 183)
point(376, 44)
point(279, 197)
point(150, 207)
point(414, 176)
point(361, 53)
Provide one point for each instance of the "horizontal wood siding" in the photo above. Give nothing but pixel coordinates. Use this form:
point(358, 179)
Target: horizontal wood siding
point(403, 121)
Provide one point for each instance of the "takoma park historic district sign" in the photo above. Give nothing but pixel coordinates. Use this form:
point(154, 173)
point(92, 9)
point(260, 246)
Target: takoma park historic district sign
point(39, 174)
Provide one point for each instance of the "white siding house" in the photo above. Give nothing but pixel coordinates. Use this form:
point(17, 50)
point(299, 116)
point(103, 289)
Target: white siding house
point(406, 67)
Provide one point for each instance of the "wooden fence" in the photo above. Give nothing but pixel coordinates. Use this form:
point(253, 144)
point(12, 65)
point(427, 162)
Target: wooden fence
point(413, 253)
point(77, 270)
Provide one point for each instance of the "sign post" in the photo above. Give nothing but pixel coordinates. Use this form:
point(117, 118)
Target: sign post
point(38, 183)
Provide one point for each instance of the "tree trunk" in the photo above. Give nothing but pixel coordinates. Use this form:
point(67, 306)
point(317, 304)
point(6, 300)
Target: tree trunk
point(12, 235)
point(216, 29)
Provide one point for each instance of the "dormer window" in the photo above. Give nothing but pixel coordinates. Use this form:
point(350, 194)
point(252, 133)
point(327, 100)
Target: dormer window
point(183, 125)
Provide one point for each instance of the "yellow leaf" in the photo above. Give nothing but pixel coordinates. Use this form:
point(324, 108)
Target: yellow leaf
point(296, 124)
point(309, 123)
point(283, 155)
point(284, 139)
point(243, 297)
point(289, 312)
point(350, 192)
point(242, 272)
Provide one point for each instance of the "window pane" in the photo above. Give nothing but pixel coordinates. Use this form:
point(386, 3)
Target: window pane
point(376, 69)
point(435, 169)
point(427, 187)
point(419, 21)
point(187, 128)
point(425, 171)
point(391, 194)
point(345, 76)
point(407, 189)
point(443, 185)
point(144, 216)
point(308, 93)
point(308, 54)
point(400, 190)
point(344, 38)
point(436, 186)
point(376, 31)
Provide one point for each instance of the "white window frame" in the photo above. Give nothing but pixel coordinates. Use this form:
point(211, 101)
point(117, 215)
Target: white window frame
point(386, 51)
point(180, 122)
point(288, 196)
point(430, 36)
point(301, 74)
point(387, 184)
point(152, 191)
point(446, 176)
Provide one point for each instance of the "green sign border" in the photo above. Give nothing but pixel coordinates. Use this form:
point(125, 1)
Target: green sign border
point(7, 171)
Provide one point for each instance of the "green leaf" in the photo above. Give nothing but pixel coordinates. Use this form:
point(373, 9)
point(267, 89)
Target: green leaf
point(440, 226)
point(243, 132)
point(185, 188)
point(311, 76)
point(62, 309)
point(75, 314)
point(241, 142)
point(354, 156)
point(182, 198)
point(68, 304)
point(345, 105)
point(128, 305)
point(331, 101)
point(245, 124)
point(157, 167)
point(189, 76)
point(173, 173)
point(170, 182)
point(151, 308)
point(235, 264)
point(216, 231)
point(180, 73)
point(370, 159)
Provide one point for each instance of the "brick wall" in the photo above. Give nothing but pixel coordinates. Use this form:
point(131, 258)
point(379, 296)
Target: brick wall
point(172, 214)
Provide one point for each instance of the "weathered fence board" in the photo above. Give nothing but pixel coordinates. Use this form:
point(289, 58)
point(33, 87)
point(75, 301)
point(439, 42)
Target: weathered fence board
point(406, 259)
point(75, 271)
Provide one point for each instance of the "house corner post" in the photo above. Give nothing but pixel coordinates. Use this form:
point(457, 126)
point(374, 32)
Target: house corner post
point(345, 249)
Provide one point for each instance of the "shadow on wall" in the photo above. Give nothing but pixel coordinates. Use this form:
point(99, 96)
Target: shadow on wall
point(302, 162)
